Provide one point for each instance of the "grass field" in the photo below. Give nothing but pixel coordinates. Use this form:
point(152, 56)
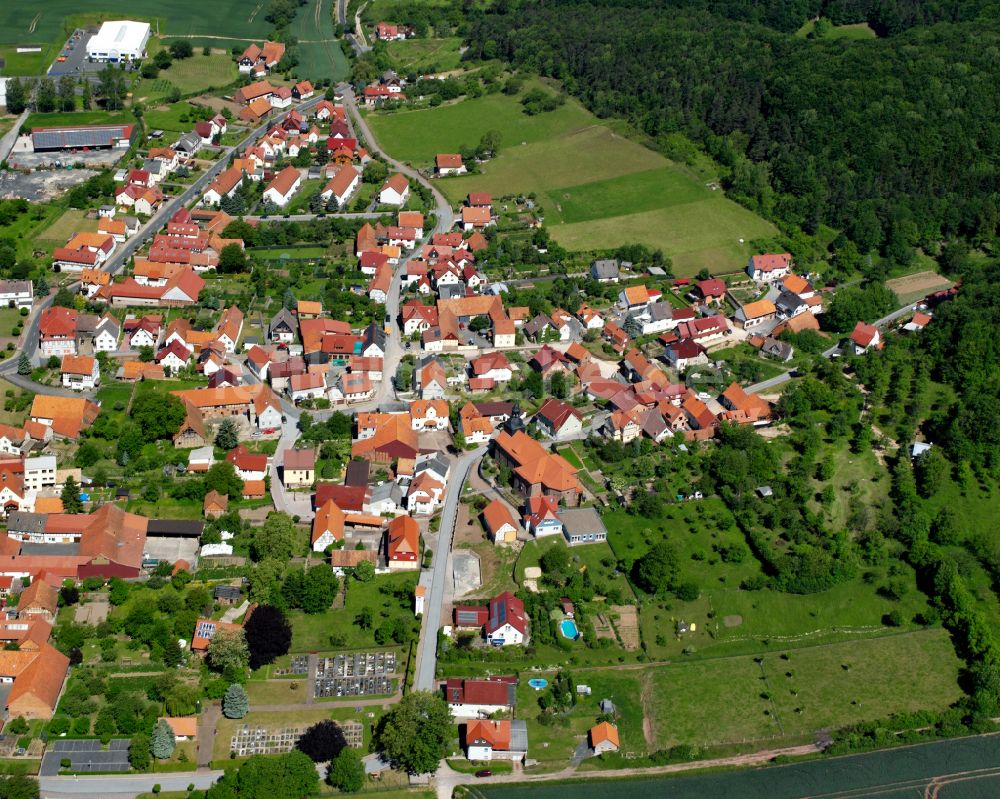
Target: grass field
point(55, 119)
point(733, 700)
point(858, 31)
point(193, 74)
point(320, 55)
point(598, 189)
point(911, 288)
point(72, 221)
point(28, 23)
point(426, 55)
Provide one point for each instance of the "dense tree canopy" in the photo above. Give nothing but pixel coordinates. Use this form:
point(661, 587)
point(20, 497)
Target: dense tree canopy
point(892, 142)
point(415, 734)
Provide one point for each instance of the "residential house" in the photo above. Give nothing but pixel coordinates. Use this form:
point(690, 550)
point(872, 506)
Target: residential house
point(328, 526)
point(80, 372)
point(299, 468)
point(865, 337)
point(106, 335)
point(215, 504)
point(605, 271)
point(282, 327)
point(754, 314)
point(506, 623)
point(403, 544)
point(558, 419)
point(341, 186)
point(468, 698)
point(280, 190)
point(67, 416)
point(395, 191)
point(449, 164)
point(225, 185)
point(487, 740)
point(769, 267)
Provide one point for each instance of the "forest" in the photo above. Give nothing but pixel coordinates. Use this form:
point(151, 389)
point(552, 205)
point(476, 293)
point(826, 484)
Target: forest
point(889, 140)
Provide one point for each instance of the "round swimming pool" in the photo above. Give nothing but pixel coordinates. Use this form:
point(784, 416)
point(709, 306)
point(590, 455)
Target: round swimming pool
point(568, 629)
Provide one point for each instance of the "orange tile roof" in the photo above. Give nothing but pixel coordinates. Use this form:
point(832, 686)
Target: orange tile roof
point(754, 310)
point(183, 726)
point(494, 733)
point(40, 595)
point(78, 365)
point(329, 519)
point(602, 732)
point(496, 515)
point(536, 465)
point(404, 536)
point(37, 675)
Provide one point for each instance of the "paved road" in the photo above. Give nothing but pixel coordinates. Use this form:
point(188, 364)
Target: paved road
point(784, 377)
point(427, 648)
point(445, 221)
point(10, 137)
point(101, 787)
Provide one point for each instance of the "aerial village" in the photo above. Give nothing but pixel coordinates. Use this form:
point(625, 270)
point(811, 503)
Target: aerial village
point(201, 427)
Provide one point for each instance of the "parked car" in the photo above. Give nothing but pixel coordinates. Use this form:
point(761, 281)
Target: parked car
point(484, 772)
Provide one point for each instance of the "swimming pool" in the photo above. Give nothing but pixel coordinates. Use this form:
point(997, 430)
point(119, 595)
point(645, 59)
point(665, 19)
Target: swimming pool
point(568, 629)
point(538, 683)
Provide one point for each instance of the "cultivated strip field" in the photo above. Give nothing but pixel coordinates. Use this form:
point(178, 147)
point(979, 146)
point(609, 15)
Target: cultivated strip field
point(598, 188)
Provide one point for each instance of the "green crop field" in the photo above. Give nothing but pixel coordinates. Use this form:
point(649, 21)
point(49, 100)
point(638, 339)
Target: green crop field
point(598, 189)
point(735, 700)
point(320, 54)
point(901, 773)
point(224, 20)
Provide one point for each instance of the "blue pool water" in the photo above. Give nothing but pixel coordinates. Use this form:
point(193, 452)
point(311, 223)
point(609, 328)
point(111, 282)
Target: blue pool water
point(568, 628)
point(538, 683)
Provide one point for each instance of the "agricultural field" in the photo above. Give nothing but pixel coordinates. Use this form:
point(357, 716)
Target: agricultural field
point(796, 694)
point(911, 288)
point(226, 20)
point(629, 193)
point(320, 54)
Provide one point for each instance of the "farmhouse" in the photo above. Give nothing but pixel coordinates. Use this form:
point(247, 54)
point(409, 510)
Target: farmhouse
point(119, 40)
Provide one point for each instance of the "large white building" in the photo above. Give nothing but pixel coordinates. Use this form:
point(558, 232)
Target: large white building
point(119, 40)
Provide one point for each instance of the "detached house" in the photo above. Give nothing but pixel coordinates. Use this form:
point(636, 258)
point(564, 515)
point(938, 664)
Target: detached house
point(496, 740)
point(769, 267)
point(557, 419)
point(402, 544)
point(280, 190)
point(754, 314)
point(865, 337)
point(506, 622)
point(449, 164)
point(395, 191)
point(80, 372)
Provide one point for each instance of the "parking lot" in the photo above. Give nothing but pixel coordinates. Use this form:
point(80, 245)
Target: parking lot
point(74, 55)
point(361, 674)
point(86, 755)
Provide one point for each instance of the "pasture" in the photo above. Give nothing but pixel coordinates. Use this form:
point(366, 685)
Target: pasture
point(793, 695)
point(598, 189)
point(859, 31)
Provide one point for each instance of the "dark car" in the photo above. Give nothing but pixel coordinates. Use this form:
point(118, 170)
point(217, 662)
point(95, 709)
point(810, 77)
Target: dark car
point(484, 772)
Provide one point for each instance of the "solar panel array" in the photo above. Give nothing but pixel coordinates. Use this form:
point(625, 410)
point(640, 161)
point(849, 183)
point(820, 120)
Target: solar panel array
point(206, 629)
point(75, 138)
point(86, 755)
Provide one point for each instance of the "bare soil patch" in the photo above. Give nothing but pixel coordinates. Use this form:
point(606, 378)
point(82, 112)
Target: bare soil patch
point(912, 287)
point(732, 621)
point(627, 626)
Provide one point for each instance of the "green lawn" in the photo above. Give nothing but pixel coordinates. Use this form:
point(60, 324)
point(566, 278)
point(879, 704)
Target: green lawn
point(15, 63)
point(70, 222)
point(587, 556)
point(289, 252)
point(426, 55)
point(38, 120)
point(169, 118)
point(598, 189)
point(25, 228)
point(311, 633)
point(193, 74)
point(736, 700)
